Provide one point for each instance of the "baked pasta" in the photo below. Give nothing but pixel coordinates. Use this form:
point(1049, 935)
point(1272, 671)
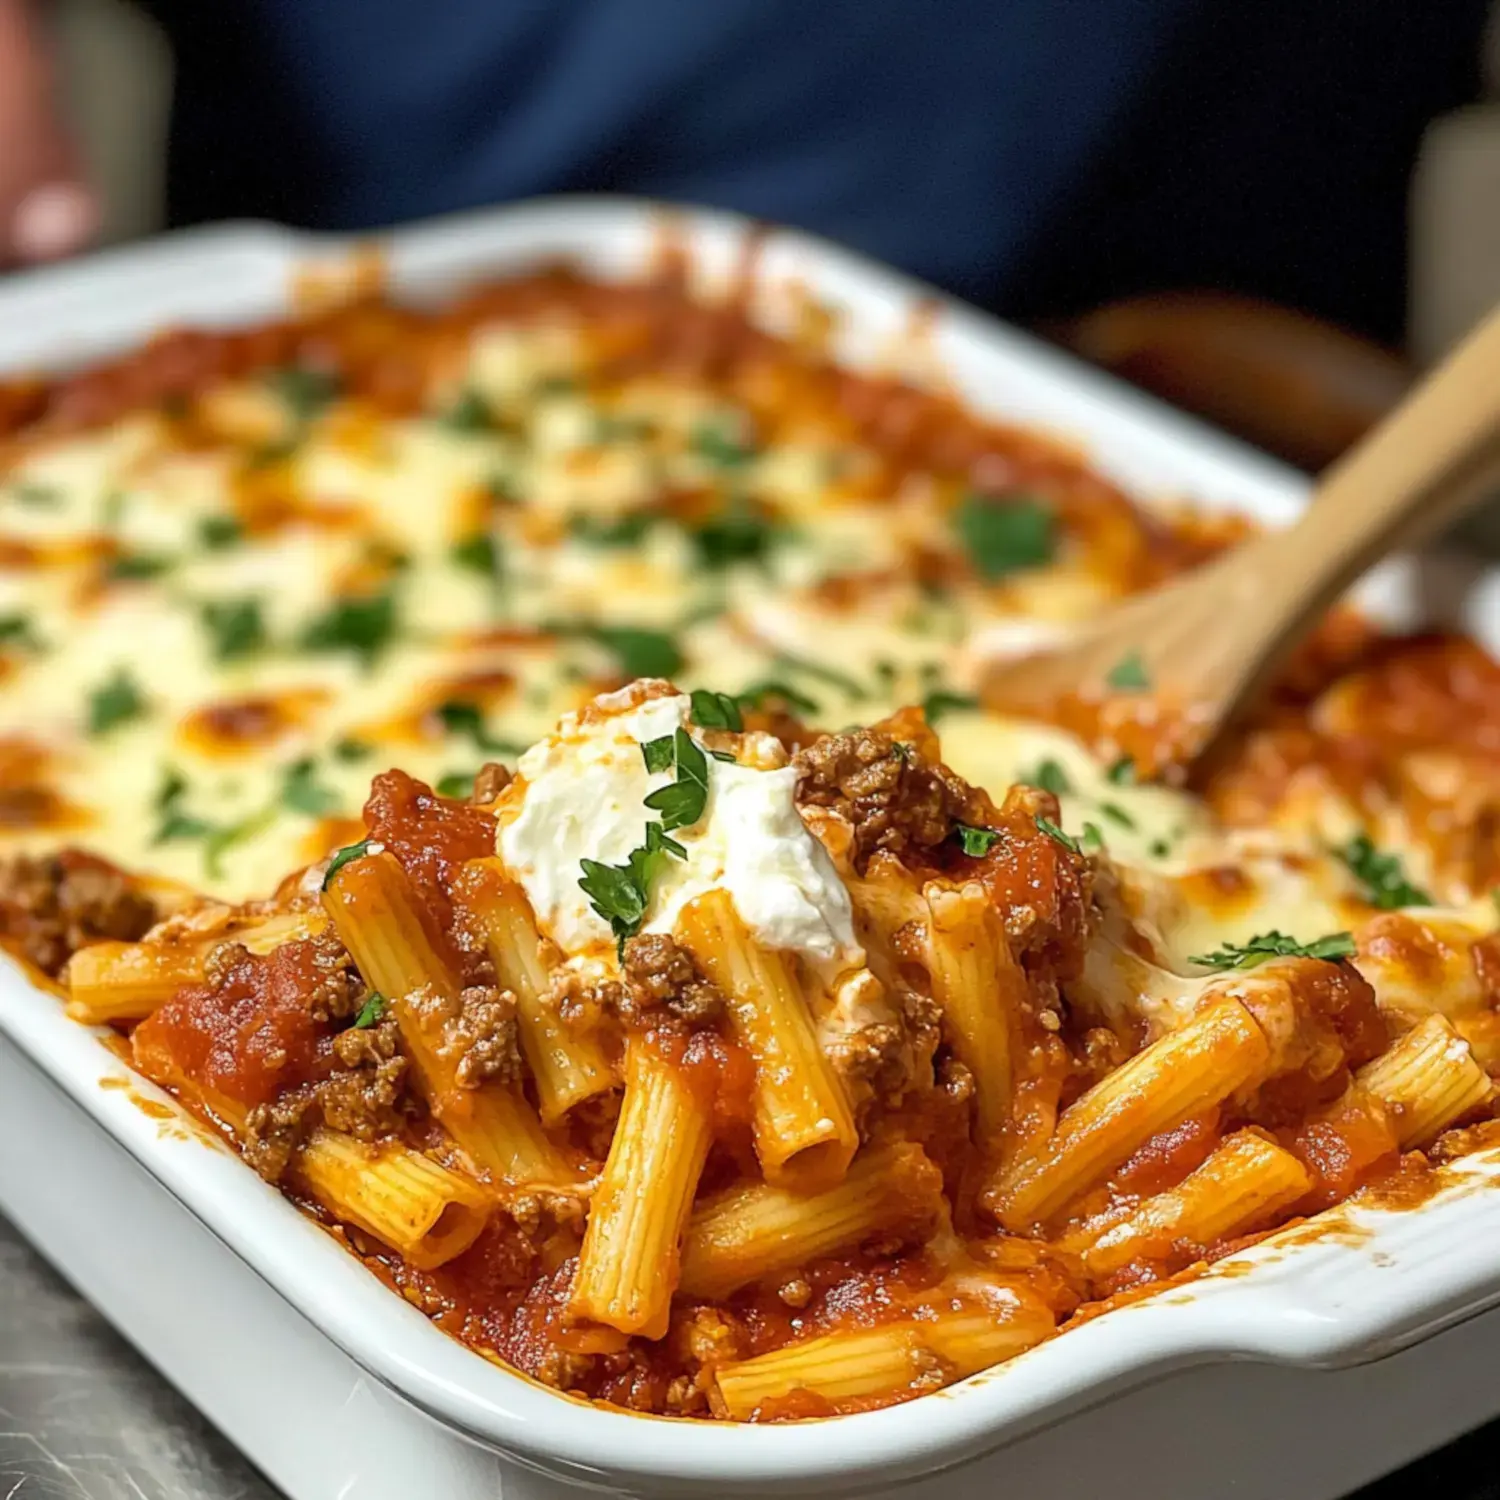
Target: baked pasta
point(779, 1035)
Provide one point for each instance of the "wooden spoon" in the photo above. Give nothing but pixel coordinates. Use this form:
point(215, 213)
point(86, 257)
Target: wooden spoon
point(1210, 641)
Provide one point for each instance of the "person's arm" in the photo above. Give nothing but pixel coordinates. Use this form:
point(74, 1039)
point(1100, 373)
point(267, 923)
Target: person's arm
point(47, 208)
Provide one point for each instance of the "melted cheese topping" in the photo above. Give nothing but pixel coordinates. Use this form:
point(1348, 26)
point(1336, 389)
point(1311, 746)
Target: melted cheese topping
point(216, 624)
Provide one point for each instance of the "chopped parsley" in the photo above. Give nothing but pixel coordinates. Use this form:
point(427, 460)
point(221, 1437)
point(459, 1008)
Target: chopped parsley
point(350, 749)
point(719, 444)
point(115, 701)
point(757, 693)
point(639, 652)
point(464, 718)
point(737, 534)
point(371, 1011)
point(235, 627)
point(619, 894)
point(1122, 772)
point(469, 413)
point(1093, 838)
point(130, 566)
point(305, 390)
point(1267, 945)
point(364, 626)
point(222, 839)
point(1053, 832)
point(349, 852)
point(1160, 849)
point(1117, 814)
point(1049, 775)
point(681, 804)
point(17, 630)
point(175, 823)
point(1004, 536)
point(217, 533)
point(34, 494)
point(302, 792)
point(1129, 674)
point(218, 838)
point(716, 711)
point(479, 553)
point(626, 531)
point(975, 841)
point(459, 785)
point(822, 673)
point(1385, 882)
point(659, 755)
point(940, 702)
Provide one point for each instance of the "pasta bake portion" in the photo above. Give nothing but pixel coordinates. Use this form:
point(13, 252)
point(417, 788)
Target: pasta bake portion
point(711, 1065)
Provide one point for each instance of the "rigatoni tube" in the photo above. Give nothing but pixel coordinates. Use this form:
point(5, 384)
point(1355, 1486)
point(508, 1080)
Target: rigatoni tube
point(628, 1267)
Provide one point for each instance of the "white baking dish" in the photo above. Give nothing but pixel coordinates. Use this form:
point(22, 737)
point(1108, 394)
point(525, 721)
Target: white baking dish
point(301, 1355)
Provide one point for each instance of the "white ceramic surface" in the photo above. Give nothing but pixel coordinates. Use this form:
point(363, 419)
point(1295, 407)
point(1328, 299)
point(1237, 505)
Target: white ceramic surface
point(1349, 1298)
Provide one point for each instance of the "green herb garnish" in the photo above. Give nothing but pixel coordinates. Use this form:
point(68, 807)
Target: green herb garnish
point(1122, 772)
point(18, 631)
point(681, 804)
point(639, 652)
point(626, 531)
point(464, 718)
point(236, 627)
point(115, 701)
point(470, 413)
point(1049, 775)
point(1117, 814)
point(371, 1011)
point(940, 702)
point(479, 553)
point(1385, 882)
point(35, 494)
point(756, 694)
point(342, 857)
point(658, 754)
point(1267, 945)
point(1129, 674)
point(1053, 832)
point(302, 792)
point(716, 711)
point(350, 749)
point(1093, 838)
point(1004, 536)
point(823, 673)
point(715, 443)
point(735, 535)
point(139, 565)
point(217, 533)
point(363, 626)
point(457, 785)
point(975, 841)
point(306, 391)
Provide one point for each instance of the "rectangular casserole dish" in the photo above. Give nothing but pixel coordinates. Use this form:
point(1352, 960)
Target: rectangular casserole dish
point(306, 1359)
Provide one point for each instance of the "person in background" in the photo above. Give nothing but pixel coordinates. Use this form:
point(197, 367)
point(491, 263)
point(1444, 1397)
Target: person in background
point(1032, 155)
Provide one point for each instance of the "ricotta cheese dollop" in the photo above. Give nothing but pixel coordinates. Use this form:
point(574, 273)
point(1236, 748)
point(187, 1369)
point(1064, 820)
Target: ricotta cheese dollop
point(581, 795)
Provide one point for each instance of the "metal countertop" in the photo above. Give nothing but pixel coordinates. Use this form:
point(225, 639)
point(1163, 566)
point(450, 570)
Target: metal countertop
point(83, 1417)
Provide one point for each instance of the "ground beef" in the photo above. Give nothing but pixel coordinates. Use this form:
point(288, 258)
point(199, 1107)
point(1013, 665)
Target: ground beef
point(475, 1031)
point(658, 972)
point(51, 907)
point(491, 779)
point(890, 798)
point(364, 1096)
point(583, 1000)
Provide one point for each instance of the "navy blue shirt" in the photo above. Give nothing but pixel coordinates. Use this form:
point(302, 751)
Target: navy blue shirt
point(1026, 153)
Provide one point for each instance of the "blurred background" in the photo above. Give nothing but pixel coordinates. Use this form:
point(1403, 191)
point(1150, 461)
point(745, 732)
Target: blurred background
point(1268, 213)
point(1272, 213)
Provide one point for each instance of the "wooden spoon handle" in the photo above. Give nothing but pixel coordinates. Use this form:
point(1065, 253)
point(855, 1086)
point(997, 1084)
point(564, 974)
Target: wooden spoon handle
point(1423, 467)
